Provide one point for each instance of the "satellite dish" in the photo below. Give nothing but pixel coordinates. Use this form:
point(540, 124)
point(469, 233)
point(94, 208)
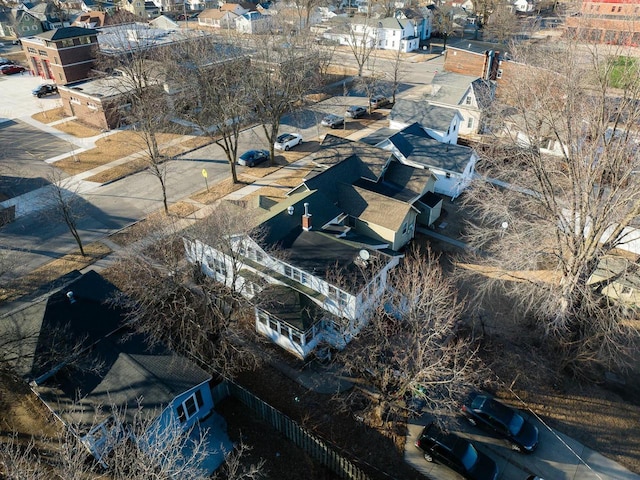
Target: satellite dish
point(364, 254)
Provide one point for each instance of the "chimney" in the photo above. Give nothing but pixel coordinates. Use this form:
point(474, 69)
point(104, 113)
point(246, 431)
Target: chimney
point(306, 218)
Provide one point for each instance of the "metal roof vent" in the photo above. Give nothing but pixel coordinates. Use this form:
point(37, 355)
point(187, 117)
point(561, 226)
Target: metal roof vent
point(71, 298)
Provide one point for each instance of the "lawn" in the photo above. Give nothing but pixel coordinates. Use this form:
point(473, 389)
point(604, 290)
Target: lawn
point(50, 116)
point(623, 70)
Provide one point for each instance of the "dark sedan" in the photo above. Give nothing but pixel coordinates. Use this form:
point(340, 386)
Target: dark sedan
point(456, 453)
point(487, 412)
point(251, 158)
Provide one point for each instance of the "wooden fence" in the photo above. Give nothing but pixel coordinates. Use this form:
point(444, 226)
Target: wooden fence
point(312, 445)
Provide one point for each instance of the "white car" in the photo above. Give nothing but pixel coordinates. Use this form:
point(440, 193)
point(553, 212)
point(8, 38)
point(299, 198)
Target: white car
point(287, 141)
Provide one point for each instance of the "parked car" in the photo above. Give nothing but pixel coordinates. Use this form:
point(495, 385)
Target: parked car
point(378, 101)
point(251, 158)
point(456, 453)
point(6, 61)
point(11, 69)
point(487, 412)
point(355, 111)
point(286, 141)
point(45, 89)
point(333, 121)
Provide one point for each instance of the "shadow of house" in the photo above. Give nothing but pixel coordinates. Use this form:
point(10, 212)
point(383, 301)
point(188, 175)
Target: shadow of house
point(87, 366)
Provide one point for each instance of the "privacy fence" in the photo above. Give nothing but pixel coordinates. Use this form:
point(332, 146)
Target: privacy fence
point(312, 445)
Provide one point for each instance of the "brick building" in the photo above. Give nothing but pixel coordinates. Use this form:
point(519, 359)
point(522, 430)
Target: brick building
point(97, 102)
point(607, 21)
point(63, 55)
point(480, 59)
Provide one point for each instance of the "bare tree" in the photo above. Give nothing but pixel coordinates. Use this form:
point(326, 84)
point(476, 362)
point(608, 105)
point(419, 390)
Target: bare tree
point(66, 204)
point(567, 195)
point(141, 78)
point(395, 72)
point(412, 346)
point(443, 23)
point(213, 91)
point(484, 9)
point(172, 302)
point(235, 467)
point(282, 73)
point(501, 25)
point(362, 42)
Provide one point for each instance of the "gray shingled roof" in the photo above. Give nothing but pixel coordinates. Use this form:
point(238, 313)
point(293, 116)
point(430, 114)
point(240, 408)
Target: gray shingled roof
point(450, 88)
point(417, 146)
point(66, 32)
point(372, 207)
point(429, 116)
point(120, 368)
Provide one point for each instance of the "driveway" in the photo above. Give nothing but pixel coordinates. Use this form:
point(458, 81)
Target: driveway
point(16, 100)
point(558, 457)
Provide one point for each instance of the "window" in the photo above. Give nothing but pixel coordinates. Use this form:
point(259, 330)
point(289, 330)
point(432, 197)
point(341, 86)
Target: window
point(42, 53)
point(339, 296)
point(296, 337)
point(263, 318)
point(259, 256)
point(468, 100)
point(404, 228)
point(67, 42)
point(448, 175)
point(613, 9)
point(499, 73)
point(470, 122)
point(273, 325)
point(31, 50)
point(85, 40)
point(190, 406)
point(619, 9)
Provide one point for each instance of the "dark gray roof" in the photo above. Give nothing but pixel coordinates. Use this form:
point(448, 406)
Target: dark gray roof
point(484, 92)
point(475, 46)
point(378, 136)
point(372, 207)
point(120, 368)
point(429, 116)
point(418, 147)
point(66, 32)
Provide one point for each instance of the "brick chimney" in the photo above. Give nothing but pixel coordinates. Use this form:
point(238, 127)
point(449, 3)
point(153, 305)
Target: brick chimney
point(306, 218)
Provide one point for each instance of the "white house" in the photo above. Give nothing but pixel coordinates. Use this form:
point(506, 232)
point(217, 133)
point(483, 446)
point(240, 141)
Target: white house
point(234, 8)
point(217, 18)
point(310, 284)
point(441, 123)
point(468, 94)
point(394, 33)
point(253, 22)
point(422, 19)
point(523, 6)
point(453, 165)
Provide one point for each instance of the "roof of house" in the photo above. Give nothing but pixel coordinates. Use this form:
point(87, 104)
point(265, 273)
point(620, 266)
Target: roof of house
point(615, 269)
point(90, 19)
point(120, 369)
point(372, 207)
point(449, 88)
point(417, 146)
point(391, 23)
point(66, 32)
point(215, 13)
point(430, 116)
point(229, 7)
point(164, 22)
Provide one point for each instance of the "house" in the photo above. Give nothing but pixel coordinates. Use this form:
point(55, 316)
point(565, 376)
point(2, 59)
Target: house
point(524, 6)
point(91, 19)
point(468, 94)
point(393, 33)
point(389, 33)
point(163, 22)
point(318, 262)
point(234, 8)
point(101, 5)
point(82, 361)
point(453, 165)
point(217, 18)
point(63, 55)
point(618, 278)
point(25, 24)
point(169, 5)
point(49, 15)
point(442, 123)
point(252, 23)
point(422, 19)
point(136, 7)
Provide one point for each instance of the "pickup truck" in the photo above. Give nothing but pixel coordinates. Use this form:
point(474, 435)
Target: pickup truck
point(45, 89)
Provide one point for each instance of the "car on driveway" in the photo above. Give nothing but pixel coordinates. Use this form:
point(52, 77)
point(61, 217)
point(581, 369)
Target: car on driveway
point(355, 111)
point(487, 412)
point(251, 158)
point(287, 141)
point(45, 89)
point(333, 121)
point(378, 101)
point(456, 453)
point(11, 69)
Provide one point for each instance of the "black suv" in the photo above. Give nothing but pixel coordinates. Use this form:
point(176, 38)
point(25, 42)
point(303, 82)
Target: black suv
point(456, 453)
point(45, 89)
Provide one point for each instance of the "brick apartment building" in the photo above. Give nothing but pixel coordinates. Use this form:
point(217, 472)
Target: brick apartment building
point(63, 55)
point(469, 57)
point(607, 21)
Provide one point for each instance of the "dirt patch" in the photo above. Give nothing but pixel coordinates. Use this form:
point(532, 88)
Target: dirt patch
point(50, 116)
point(53, 270)
point(77, 129)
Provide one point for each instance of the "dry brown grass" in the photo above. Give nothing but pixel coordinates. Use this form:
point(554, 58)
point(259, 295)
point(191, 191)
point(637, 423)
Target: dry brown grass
point(54, 270)
point(77, 129)
point(218, 191)
point(50, 116)
point(547, 276)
